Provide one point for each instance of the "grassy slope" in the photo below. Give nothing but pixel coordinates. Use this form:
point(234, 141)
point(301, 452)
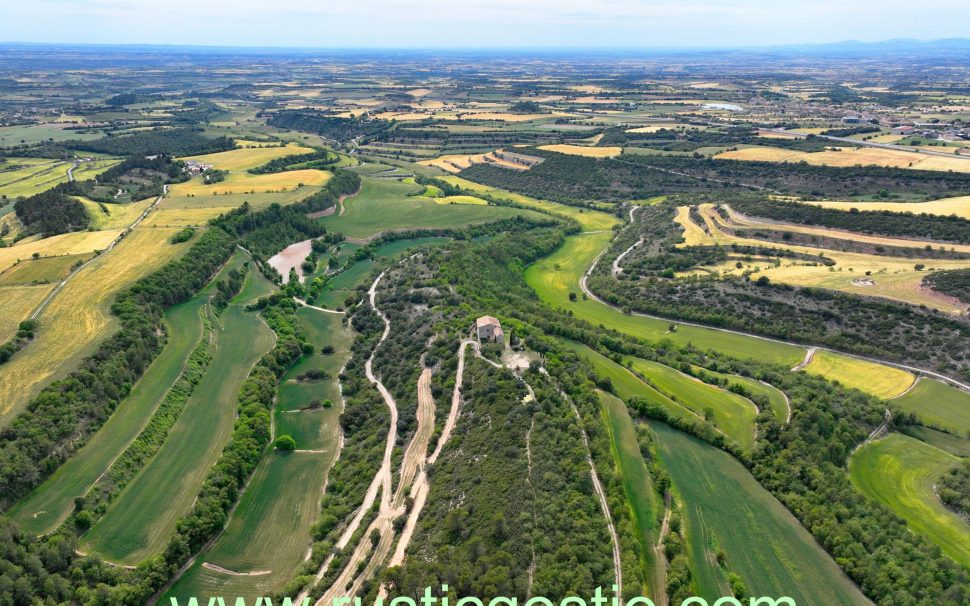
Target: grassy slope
point(52, 501)
point(640, 494)
point(384, 204)
point(141, 519)
point(764, 543)
point(270, 530)
point(776, 398)
point(899, 472)
point(938, 404)
point(733, 414)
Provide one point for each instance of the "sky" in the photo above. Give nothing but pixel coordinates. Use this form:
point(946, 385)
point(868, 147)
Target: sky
point(479, 23)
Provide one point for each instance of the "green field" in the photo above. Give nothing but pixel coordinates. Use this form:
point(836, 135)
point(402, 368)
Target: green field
point(38, 133)
point(899, 472)
point(637, 483)
point(554, 277)
point(731, 413)
point(765, 544)
point(384, 204)
point(955, 445)
point(777, 401)
point(282, 500)
point(627, 385)
point(143, 516)
point(48, 505)
point(938, 405)
point(589, 220)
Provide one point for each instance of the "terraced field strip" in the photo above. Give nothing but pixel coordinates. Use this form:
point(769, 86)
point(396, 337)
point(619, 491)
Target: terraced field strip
point(731, 413)
point(901, 472)
point(79, 317)
point(638, 485)
point(627, 385)
point(385, 204)
point(939, 405)
point(777, 400)
point(959, 206)
point(876, 379)
point(64, 244)
point(50, 503)
point(764, 543)
point(143, 516)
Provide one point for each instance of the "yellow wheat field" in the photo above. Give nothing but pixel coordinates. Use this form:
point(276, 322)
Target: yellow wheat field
point(118, 216)
point(242, 183)
point(79, 316)
point(63, 244)
point(244, 159)
point(579, 150)
point(876, 379)
point(16, 304)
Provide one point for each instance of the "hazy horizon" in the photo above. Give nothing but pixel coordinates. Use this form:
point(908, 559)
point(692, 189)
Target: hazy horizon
point(480, 24)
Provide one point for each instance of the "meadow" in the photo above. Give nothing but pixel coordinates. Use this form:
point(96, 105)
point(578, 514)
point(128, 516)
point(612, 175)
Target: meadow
point(245, 183)
point(777, 401)
point(75, 243)
point(78, 317)
point(385, 204)
point(115, 216)
point(42, 270)
point(583, 150)
point(142, 517)
point(725, 507)
point(900, 472)
point(554, 277)
point(938, 405)
point(182, 211)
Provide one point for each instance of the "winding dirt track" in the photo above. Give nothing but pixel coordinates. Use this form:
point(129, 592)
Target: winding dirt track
point(413, 481)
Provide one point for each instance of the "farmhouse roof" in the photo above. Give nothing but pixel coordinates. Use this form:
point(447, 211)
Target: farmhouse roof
point(486, 321)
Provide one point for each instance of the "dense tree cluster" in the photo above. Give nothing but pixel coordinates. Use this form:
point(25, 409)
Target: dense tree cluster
point(571, 179)
point(52, 212)
point(320, 158)
point(326, 125)
point(954, 488)
point(955, 283)
point(173, 141)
